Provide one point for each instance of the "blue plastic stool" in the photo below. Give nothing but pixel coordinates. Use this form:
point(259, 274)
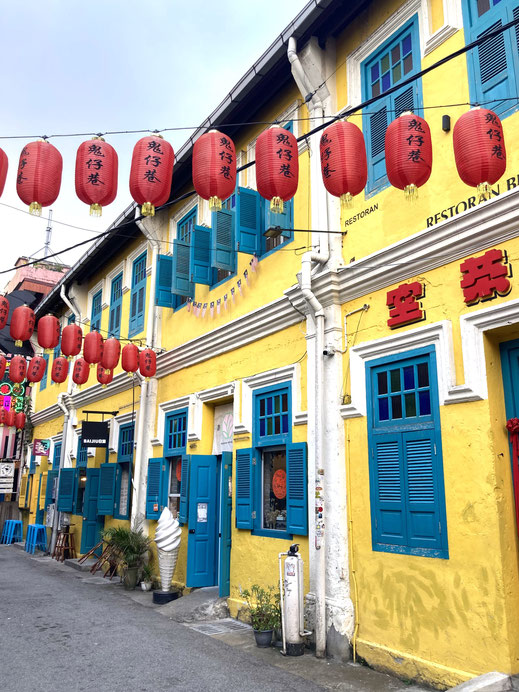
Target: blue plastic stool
point(7, 532)
point(36, 538)
point(17, 534)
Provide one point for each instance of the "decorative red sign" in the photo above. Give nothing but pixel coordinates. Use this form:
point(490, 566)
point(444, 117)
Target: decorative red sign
point(485, 277)
point(279, 484)
point(179, 470)
point(403, 305)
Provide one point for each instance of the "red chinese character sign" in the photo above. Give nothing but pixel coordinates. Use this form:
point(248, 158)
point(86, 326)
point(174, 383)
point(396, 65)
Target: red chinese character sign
point(485, 277)
point(38, 180)
point(96, 174)
point(408, 153)
point(151, 173)
point(277, 166)
point(343, 161)
point(214, 168)
point(404, 306)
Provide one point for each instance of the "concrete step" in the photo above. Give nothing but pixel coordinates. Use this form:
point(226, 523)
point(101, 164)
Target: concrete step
point(199, 604)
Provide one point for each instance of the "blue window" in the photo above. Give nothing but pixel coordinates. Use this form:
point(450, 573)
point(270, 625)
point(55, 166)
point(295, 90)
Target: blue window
point(43, 381)
point(95, 317)
point(182, 286)
point(32, 464)
point(405, 456)
point(271, 477)
point(138, 296)
point(175, 433)
point(57, 456)
point(116, 299)
point(71, 319)
point(395, 61)
point(81, 456)
point(493, 66)
point(124, 472)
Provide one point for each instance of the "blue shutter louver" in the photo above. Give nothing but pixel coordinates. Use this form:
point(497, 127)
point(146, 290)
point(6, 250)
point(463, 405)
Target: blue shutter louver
point(390, 525)
point(248, 221)
point(66, 490)
point(297, 503)
point(106, 496)
point(184, 491)
point(163, 295)
point(51, 478)
point(154, 488)
point(200, 258)
point(244, 489)
point(222, 251)
point(404, 102)
point(180, 279)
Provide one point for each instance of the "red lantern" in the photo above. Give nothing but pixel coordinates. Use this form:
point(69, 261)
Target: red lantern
point(151, 173)
point(277, 166)
point(10, 419)
point(71, 340)
point(111, 353)
point(408, 153)
point(104, 376)
point(479, 149)
point(96, 174)
point(22, 324)
point(48, 332)
point(59, 369)
point(214, 168)
point(4, 165)
point(3, 363)
point(4, 311)
point(36, 369)
point(344, 165)
point(19, 420)
point(147, 362)
point(39, 175)
point(17, 369)
point(93, 347)
point(130, 358)
point(81, 371)
point(3, 416)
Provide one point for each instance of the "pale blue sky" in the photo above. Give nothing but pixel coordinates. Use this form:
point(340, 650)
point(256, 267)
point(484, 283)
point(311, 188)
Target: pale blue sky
point(70, 66)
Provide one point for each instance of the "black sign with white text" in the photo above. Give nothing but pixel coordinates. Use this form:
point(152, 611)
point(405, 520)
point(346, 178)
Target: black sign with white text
point(94, 434)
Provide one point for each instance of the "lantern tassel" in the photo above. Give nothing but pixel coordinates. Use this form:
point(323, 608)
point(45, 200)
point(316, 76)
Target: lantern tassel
point(18, 343)
point(148, 209)
point(346, 201)
point(484, 191)
point(276, 205)
point(35, 208)
point(411, 192)
point(96, 210)
point(215, 203)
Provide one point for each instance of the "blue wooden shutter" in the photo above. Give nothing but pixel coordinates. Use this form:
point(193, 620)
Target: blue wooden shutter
point(154, 488)
point(66, 490)
point(244, 489)
point(200, 257)
point(138, 295)
point(377, 126)
point(424, 512)
point(388, 491)
point(180, 276)
point(248, 221)
point(116, 297)
point(43, 381)
point(32, 464)
point(297, 484)
point(285, 221)
point(163, 295)
point(184, 490)
point(51, 477)
point(106, 496)
point(222, 251)
point(57, 455)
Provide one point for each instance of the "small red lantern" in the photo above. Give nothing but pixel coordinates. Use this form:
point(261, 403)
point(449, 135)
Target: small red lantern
point(147, 362)
point(408, 153)
point(19, 420)
point(479, 149)
point(3, 363)
point(39, 175)
point(81, 371)
point(151, 173)
point(22, 324)
point(96, 174)
point(59, 369)
point(36, 369)
point(17, 369)
point(214, 168)
point(10, 419)
point(277, 166)
point(3, 416)
point(104, 376)
point(130, 358)
point(48, 332)
point(344, 165)
point(4, 311)
point(111, 353)
point(4, 165)
point(93, 347)
point(71, 340)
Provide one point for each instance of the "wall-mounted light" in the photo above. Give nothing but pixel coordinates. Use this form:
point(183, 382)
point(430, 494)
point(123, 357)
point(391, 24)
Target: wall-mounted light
point(273, 232)
point(446, 123)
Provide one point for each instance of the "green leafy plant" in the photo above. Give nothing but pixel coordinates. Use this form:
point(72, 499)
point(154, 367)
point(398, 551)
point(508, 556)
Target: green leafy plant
point(146, 573)
point(131, 545)
point(263, 607)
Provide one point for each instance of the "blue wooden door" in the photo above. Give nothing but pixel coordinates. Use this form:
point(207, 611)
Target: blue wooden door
point(92, 524)
point(510, 369)
point(39, 512)
point(224, 567)
point(202, 522)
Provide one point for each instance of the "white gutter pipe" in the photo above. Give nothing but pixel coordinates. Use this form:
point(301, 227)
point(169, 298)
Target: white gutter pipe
point(64, 401)
point(70, 303)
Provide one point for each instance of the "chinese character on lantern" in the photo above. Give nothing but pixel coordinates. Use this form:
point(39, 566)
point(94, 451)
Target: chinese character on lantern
point(485, 276)
point(403, 304)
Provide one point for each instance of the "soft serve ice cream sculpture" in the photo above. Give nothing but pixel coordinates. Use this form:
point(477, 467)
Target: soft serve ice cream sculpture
point(167, 538)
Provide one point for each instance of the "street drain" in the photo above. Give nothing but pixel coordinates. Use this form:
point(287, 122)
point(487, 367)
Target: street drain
point(218, 626)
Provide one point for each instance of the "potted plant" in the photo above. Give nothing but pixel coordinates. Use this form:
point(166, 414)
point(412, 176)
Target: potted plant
point(131, 548)
point(263, 612)
point(146, 577)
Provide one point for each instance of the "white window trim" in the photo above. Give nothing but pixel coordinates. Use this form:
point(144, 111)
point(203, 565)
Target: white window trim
point(428, 41)
point(98, 287)
point(120, 269)
point(210, 396)
point(169, 406)
point(174, 220)
point(91, 451)
point(280, 376)
point(127, 275)
point(115, 426)
point(54, 440)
